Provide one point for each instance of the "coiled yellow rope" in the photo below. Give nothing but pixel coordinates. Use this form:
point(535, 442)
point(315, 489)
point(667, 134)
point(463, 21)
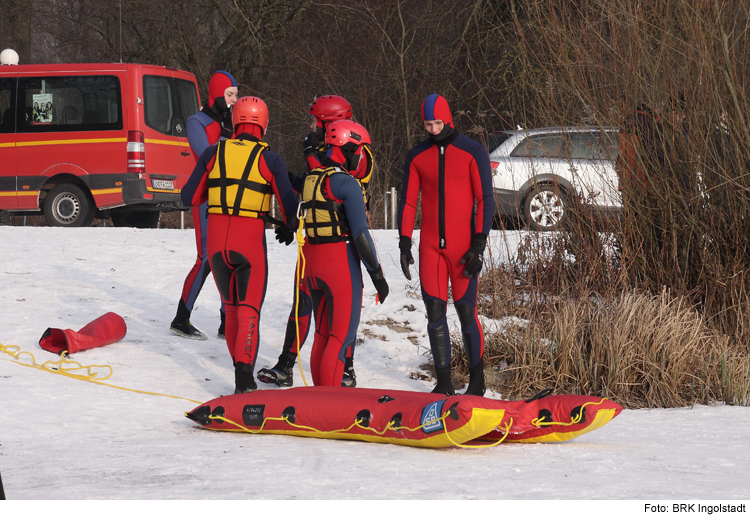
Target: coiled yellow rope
point(66, 367)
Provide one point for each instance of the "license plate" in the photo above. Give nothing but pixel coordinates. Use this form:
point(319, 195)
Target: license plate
point(167, 185)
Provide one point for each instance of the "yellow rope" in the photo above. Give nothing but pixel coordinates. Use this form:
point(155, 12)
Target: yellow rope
point(65, 367)
point(507, 430)
point(299, 275)
point(388, 427)
point(539, 422)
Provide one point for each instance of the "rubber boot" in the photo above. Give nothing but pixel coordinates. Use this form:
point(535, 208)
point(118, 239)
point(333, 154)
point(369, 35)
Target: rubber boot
point(444, 383)
point(243, 378)
point(476, 380)
point(282, 374)
point(221, 333)
point(350, 378)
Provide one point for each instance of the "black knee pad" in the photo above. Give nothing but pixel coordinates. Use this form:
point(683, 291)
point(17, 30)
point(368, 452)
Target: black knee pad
point(222, 275)
point(465, 313)
point(435, 310)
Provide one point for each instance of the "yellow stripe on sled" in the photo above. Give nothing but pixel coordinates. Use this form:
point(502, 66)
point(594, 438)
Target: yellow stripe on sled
point(602, 417)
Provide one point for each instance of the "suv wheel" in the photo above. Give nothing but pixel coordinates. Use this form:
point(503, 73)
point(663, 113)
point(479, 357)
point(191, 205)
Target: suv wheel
point(544, 207)
point(68, 205)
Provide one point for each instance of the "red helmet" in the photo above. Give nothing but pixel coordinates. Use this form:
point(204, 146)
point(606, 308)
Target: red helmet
point(344, 140)
point(344, 132)
point(327, 108)
point(251, 110)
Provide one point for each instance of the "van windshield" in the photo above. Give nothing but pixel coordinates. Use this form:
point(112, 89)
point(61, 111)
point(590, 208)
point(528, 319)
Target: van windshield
point(168, 103)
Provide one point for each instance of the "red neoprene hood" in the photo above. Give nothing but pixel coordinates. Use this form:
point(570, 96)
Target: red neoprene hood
point(436, 107)
point(219, 82)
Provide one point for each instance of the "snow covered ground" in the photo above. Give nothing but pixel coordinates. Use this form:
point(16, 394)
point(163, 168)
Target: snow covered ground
point(64, 438)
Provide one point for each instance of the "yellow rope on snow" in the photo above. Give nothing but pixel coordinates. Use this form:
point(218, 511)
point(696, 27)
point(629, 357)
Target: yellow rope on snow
point(61, 367)
point(66, 367)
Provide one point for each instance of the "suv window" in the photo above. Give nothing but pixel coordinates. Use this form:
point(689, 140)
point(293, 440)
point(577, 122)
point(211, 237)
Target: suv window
point(70, 103)
point(569, 145)
point(495, 140)
point(594, 146)
point(168, 103)
point(541, 146)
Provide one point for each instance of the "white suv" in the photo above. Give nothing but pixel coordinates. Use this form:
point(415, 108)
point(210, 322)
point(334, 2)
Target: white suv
point(535, 171)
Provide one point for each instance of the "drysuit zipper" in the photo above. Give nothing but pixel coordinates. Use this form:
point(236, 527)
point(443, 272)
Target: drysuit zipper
point(441, 196)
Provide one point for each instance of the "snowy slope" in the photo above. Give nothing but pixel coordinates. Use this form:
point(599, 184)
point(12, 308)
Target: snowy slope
point(63, 438)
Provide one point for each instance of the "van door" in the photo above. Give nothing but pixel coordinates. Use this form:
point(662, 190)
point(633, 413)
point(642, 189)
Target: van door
point(162, 141)
point(187, 105)
point(168, 102)
point(8, 196)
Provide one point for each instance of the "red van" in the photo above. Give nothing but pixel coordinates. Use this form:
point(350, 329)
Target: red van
point(79, 141)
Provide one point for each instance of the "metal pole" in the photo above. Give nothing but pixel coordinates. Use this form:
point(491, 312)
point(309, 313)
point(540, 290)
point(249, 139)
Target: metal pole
point(385, 210)
point(393, 207)
point(182, 219)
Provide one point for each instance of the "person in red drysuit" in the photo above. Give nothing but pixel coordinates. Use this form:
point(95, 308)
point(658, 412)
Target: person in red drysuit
point(205, 128)
point(238, 177)
point(453, 173)
point(324, 110)
point(337, 238)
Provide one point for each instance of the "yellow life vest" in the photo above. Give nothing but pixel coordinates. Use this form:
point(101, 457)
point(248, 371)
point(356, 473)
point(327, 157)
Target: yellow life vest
point(235, 185)
point(325, 219)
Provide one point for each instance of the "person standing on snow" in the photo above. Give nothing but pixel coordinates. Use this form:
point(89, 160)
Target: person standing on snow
point(237, 178)
point(324, 110)
point(205, 128)
point(337, 238)
point(453, 172)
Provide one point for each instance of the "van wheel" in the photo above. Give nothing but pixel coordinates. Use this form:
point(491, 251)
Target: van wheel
point(139, 219)
point(68, 205)
point(544, 207)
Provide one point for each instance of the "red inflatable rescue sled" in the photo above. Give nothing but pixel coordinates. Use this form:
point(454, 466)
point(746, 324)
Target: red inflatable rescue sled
point(105, 330)
point(406, 418)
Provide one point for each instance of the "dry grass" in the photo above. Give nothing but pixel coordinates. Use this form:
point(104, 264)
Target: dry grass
point(639, 350)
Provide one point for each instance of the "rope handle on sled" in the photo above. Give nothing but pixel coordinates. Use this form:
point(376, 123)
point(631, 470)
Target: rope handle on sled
point(389, 427)
point(540, 422)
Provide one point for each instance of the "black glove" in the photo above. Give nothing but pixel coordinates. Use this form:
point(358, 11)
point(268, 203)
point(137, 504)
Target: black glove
point(378, 280)
point(284, 235)
point(473, 257)
point(404, 244)
point(310, 144)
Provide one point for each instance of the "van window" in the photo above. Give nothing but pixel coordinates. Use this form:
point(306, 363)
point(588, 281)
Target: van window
point(7, 106)
point(70, 103)
point(168, 103)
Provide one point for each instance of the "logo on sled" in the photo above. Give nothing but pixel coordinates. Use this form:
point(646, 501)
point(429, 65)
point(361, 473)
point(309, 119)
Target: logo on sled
point(431, 421)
